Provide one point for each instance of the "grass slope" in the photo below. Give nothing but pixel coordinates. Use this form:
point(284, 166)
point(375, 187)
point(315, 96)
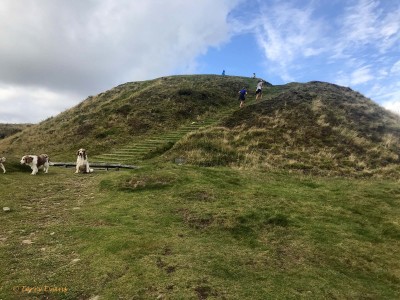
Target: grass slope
point(127, 113)
point(10, 129)
point(315, 127)
point(184, 232)
point(169, 231)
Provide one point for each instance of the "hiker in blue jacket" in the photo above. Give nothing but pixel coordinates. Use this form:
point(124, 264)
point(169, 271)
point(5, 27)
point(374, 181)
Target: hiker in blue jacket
point(242, 96)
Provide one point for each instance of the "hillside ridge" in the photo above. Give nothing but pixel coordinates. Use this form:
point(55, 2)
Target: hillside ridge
point(315, 127)
point(127, 113)
point(159, 143)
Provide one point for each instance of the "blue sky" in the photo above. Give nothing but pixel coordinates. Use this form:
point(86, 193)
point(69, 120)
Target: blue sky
point(351, 43)
point(56, 53)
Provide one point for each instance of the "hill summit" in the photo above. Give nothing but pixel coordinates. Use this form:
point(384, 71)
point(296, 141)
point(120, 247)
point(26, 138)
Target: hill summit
point(314, 127)
point(127, 113)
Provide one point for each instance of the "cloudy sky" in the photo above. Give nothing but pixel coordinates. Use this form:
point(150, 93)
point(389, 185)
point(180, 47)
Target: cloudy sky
point(56, 53)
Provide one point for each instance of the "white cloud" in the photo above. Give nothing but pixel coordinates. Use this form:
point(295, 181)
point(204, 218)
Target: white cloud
point(361, 75)
point(388, 95)
point(366, 23)
point(85, 47)
point(32, 104)
point(356, 77)
point(395, 70)
point(359, 21)
point(393, 105)
point(357, 43)
point(286, 33)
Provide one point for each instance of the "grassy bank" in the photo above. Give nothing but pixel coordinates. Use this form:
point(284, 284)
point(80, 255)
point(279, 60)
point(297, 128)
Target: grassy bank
point(182, 232)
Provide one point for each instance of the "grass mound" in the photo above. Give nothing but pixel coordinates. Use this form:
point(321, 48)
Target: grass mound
point(315, 127)
point(10, 129)
point(127, 113)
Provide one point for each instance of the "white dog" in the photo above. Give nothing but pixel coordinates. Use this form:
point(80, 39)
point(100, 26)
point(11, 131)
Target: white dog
point(3, 159)
point(36, 162)
point(82, 163)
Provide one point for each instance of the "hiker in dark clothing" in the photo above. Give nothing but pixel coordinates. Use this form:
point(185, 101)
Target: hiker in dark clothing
point(242, 96)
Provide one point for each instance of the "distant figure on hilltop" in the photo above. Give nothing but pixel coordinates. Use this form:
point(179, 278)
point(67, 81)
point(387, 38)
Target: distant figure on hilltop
point(254, 75)
point(259, 90)
point(242, 96)
point(223, 72)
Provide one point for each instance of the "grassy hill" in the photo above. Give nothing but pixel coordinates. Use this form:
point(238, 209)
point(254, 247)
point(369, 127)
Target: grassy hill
point(227, 203)
point(10, 129)
point(314, 127)
point(127, 113)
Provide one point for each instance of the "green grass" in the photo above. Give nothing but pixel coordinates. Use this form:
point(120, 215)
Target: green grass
point(127, 114)
point(316, 128)
point(244, 217)
point(184, 232)
point(10, 129)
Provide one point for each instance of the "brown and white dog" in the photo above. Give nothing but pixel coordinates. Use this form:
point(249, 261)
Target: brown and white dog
point(36, 162)
point(3, 159)
point(82, 163)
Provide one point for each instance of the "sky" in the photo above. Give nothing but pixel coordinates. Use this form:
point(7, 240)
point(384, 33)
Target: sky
point(56, 53)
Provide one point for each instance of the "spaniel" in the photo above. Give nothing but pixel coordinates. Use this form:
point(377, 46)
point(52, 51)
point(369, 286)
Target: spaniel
point(82, 163)
point(36, 162)
point(3, 159)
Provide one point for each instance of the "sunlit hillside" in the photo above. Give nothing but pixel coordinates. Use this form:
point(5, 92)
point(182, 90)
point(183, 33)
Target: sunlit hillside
point(313, 127)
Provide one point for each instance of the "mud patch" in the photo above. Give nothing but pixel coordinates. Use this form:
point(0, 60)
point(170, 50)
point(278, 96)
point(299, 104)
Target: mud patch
point(203, 292)
point(196, 221)
point(198, 195)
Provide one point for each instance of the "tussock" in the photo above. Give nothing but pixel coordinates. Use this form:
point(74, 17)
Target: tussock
point(314, 128)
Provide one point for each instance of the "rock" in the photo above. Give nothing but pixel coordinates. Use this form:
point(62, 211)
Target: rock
point(6, 209)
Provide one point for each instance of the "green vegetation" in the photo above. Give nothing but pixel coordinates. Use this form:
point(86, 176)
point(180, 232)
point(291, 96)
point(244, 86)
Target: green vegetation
point(126, 114)
point(296, 196)
point(10, 129)
point(183, 232)
point(314, 128)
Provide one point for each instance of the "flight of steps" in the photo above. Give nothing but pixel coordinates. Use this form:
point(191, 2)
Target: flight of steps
point(136, 152)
